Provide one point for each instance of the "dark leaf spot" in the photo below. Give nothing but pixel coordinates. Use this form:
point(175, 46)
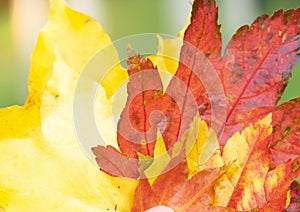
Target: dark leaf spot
point(287, 131)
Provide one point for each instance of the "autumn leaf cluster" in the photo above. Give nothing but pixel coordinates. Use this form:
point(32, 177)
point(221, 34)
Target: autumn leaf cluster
point(247, 164)
point(218, 143)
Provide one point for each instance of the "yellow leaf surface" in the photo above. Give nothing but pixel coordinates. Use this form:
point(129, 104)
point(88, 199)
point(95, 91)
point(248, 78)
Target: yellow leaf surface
point(240, 152)
point(167, 58)
point(168, 54)
point(201, 147)
point(42, 165)
point(206, 151)
point(187, 140)
point(160, 160)
point(201, 150)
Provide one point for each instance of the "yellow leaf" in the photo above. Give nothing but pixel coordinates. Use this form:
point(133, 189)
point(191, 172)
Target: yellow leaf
point(167, 58)
point(160, 160)
point(69, 31)
point(42, 165)
point(123, 188)
point(18, 122)
point(103, 116)
point(36, 179)
point(201, 147)
point(187, 140)
point(205, 152)
point(168, 54)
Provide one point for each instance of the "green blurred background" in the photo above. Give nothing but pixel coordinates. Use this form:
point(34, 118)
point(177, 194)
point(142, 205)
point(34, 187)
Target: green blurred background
point(20, 21)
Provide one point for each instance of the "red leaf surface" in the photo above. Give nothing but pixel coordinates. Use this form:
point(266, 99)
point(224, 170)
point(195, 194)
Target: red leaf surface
point(178, 105)
point(285, 140)
point(254, 72)
point(200, 51)
point(146, 109)
point(256, 68)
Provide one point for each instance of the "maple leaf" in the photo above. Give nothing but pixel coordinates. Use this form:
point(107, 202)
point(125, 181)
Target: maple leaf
point(253, 72)
point(177, 106)
point(202, 43)
point(135, 133)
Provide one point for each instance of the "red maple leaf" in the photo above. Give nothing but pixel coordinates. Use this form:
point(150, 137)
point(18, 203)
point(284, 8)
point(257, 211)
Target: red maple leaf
point(253, 73)
point(232, 93)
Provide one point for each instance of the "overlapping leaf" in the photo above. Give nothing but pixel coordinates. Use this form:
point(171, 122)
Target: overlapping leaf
point(173, 190)
point(177, 105)
point(245, 183)
point(253, 72)
point(136, 129)
point(184, 168)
